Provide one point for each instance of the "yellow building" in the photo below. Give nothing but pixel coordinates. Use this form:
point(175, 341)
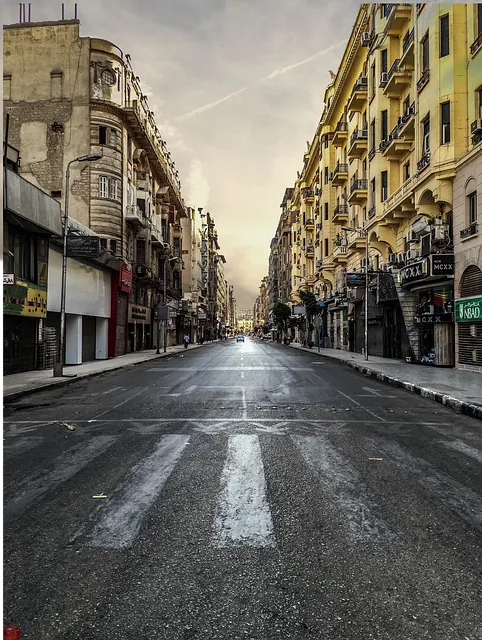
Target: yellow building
point(393, 134)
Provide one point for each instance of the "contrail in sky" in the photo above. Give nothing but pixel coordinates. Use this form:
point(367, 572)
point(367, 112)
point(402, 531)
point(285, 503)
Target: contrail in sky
point(274, 74)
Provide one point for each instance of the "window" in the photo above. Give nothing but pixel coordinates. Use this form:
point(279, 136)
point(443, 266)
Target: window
point(326, 175)
point(384, 125)
point(425, 52)
point(112, 137)
point(444, 36)
point(373, 133)
point(56, 194)
point(107, 187)
point(472, 207)
point(406, 171)
point(129, 148)
point(426, 135)
point(406, 104)
point(479, 102)
point(102, 135)
point(384, 193)
point(373, 192)
point(445, 123)
point(23, 246)
point(373, 82)
point(384, 61)
point(326, 210)
point(113, 246)
point(326, 247)
point(108, 77)
point(479, 19)
point(103, 244)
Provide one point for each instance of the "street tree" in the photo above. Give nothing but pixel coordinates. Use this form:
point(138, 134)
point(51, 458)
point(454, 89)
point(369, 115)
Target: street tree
point(281, 313)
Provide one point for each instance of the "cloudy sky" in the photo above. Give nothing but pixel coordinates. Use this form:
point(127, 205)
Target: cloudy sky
point(237, 89)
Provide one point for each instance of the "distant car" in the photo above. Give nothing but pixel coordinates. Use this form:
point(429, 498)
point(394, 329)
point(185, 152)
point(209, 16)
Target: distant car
point(239, 338)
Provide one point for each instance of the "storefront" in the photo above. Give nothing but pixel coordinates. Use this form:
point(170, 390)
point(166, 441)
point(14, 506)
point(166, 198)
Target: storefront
point(121, 288)
point(431, 278)
point(139, 327)
point(468, 315)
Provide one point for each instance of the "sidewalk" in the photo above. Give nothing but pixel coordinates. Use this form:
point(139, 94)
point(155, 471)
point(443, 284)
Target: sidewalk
point(21, 384)
point(460, 390)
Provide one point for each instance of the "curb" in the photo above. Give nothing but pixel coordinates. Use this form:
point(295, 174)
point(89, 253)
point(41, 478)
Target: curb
point(460, 406)
point(15, 395)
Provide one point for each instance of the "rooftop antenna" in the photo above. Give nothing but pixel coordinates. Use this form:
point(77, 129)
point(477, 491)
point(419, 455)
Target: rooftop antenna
point(23, 5)
point(29, 11)
point(63, 11)
point(20, 7)
point(75, 11)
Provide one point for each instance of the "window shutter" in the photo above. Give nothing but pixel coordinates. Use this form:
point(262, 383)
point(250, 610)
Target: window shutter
point(103, 187)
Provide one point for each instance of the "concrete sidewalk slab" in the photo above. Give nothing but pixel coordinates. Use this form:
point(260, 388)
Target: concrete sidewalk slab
point(454, 388)
point(21, 384)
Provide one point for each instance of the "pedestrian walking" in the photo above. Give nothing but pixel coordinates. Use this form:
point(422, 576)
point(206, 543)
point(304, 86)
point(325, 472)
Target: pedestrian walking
point(186, 341)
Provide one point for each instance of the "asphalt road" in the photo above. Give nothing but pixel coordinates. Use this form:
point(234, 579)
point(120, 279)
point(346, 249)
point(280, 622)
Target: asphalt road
point(251, 492)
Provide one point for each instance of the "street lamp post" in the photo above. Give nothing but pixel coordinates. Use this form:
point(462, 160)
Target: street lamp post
point(59, 366)
point(364, 232)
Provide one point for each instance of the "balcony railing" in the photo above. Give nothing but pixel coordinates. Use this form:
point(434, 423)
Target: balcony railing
point(407, 41)
point(469, 231)
point(476, 44)
point(424, 161)
point(371, 154)
point(359, 134)
point(340, 210)
point(359, 185)
point(384, 144)
point(134, 214)
point(341, 167)
point(394, 68)
point(342, 125)
point(371, 212)
point(309, 223)
point(361, 84)
point(423, 80)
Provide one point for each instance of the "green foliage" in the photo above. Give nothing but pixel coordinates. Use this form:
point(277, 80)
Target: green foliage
point(281, 313)
point(309, 301)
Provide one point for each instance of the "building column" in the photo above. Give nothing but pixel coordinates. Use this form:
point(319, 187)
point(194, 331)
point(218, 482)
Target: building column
point(73, 339)
point(101, 338)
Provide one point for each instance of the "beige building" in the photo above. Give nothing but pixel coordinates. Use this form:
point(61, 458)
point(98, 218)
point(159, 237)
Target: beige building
point(397, 126)
point(68, 95)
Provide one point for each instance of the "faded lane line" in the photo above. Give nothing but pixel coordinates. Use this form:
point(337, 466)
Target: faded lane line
point(67, 465)
point(121, 518)
point(104, 393)
point(450, 492)
point(245, 406)
point(206, 369)
point(461, 447)
point(344, 483)
point(37, 423)
point(120, 404)
point(243, 515)
point(362, 407)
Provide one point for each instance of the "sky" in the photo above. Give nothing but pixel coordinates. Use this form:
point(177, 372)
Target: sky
point(237, 90)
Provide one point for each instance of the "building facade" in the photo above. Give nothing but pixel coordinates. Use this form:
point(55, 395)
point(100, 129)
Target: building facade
point(399, 133)
point(86, 97)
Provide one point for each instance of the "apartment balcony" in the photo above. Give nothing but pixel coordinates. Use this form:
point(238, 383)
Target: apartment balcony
point(371, 154)
point(156, 231)
point(135, 216)
point(340, 214)
point(359, 95)
point(398, 18)
point(308, 195)
point(399, 78)
point(340, 135)
point(468, 232)
point(310, 224)
point(356, 242)
point(408, 50)
point(371, 212)
point(310, 251)
point(311, 279)
point(395, 147)
point(358, 192)
point(340, 175)
point(358, 143)
point(477, 44)
point(424, 162)
point(406, 123)
point(340, 254)
point(424, 80)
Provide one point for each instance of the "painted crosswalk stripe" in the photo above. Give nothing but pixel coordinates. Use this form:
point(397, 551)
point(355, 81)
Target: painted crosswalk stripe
point(21, 446)
point(65, 467)
point(461, 447)
point(121, 518)
point(243, 516)
point(344, 485)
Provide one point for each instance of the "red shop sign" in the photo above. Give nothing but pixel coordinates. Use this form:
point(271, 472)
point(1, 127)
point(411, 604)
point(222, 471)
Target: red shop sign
point(11, 632)
point(125, 277)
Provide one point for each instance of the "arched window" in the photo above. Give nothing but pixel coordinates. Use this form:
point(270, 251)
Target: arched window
point(471, 282)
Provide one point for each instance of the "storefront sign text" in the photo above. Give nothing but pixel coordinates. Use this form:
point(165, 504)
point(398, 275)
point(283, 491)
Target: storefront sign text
point(8, 278)
point(442, 264)
point(414, 271)
point(468, 310)
point(83, 246)
point(433, 318)
point(125, 277)
point(139, 314)
point(25, 299)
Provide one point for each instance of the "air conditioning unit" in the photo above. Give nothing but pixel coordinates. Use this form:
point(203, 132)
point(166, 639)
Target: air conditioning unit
point(363, 263)
point(411, 110)
point(392, 258)
point(366, 39)
point(476, 127)
point(413, 254)
point(439, 234)
point(411, 236)
point(384, 78)
point(401, 258)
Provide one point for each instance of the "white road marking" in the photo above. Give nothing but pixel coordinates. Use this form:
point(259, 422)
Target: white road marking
point(120, 404)
point(190, 389)
point(243, 515)
point(245, 406)
point(454, 494)
point(21, 446)
point(206, 369)
point(344, 483)
point(120, 519)
point(65, 467)
point(104, 393)
point(242, 375)
point(461, 447)
point(362, 407)
point(376, 393)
